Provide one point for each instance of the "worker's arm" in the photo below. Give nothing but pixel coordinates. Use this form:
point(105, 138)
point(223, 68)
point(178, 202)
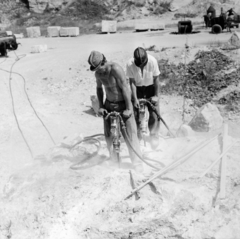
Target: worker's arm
point(134, 92)
point(100, 95)
point(154, 99)
point(120, 77)
point(156, 85)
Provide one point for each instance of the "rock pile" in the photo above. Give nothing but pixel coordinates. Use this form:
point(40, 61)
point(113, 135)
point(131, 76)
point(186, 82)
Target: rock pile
point(201, 79)
point(231, 99)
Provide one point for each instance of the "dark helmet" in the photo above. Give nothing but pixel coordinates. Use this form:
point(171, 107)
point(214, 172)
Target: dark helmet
point(140, 57)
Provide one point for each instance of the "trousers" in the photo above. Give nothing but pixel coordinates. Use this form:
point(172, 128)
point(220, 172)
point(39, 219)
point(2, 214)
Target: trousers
point(146, 92)
point(131, 129)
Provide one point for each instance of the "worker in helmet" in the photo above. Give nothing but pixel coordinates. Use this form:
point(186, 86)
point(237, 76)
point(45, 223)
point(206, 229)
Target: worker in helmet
point(143, 73)
point(111, 77)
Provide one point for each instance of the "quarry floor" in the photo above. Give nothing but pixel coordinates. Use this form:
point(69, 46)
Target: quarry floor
point(41, 197)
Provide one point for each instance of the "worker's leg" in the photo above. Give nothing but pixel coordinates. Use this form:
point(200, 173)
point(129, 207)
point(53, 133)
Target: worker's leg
point(131, 131)
point(154, 127)
point(137, 121)
point(107, 133)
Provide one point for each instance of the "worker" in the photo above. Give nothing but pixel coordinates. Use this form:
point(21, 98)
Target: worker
point(111, 77)
point(230, 14)
point(143, 73)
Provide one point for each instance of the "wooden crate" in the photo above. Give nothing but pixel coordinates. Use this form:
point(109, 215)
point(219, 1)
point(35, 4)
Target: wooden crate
point(38, 48)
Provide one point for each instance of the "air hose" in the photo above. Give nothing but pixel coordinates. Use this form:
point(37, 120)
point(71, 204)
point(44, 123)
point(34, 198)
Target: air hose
point(89, 138)
point(159, 117)
point(128, 142)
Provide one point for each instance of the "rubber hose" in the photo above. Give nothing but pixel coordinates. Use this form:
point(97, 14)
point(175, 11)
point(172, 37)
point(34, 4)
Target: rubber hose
point(86, 138)
point(160, 117)
point(128, 142)
point(73, 166)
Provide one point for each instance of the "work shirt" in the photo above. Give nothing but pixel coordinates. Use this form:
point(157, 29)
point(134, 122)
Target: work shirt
point(149, 71)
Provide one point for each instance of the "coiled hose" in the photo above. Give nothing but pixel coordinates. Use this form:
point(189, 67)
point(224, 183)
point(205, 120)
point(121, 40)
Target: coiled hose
point(128, 142)
point(76, 166)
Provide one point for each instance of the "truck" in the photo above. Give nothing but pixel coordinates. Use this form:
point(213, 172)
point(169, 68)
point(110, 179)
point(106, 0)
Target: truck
point(218, 24)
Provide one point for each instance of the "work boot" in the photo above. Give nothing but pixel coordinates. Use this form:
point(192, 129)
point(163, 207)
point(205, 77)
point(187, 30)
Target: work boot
point(154, 141)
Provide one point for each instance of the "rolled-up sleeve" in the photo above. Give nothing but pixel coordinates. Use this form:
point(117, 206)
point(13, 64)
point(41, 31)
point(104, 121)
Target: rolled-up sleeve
point(129, 72)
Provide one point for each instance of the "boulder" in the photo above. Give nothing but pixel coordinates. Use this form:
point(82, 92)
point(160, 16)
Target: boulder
point(231, 230)
point(140, 3)
point(38, 48)
point(157, 26)
point(69, 31)
point(9, 33)
point(109, 26)
point(142, 26)
point(19, 36)
point(54, 31)
point(33, 32)
point(206, 119)
point(185, 131)
point(38, 6)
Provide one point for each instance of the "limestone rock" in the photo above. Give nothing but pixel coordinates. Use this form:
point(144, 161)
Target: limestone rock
point(185, 131)
point(207, 118)
point(39, 6)
point(69, 31)
point(157, 26)
point(19, 36)
point(38, 48)
point(33, 32)
point(140, 3)
point(109, 26)
point(231, 230)
point(142, 27)
point(54, 31)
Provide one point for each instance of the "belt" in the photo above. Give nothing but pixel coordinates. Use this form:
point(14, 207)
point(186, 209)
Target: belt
point(115, 102)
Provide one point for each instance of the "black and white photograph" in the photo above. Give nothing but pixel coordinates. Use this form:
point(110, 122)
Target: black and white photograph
point(119, 119)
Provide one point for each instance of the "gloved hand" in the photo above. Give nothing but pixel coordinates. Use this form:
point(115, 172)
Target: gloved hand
point(154, 100)
point(102, 112)
point(136, 103)
point(127, 113)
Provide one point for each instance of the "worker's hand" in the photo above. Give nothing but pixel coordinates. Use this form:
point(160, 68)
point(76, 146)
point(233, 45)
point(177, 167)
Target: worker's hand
point(102, 112)
point(154, 100)
point(136, 103)
point(127, 114)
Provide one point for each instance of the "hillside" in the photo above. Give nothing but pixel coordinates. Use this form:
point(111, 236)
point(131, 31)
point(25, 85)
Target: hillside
point(17, 16)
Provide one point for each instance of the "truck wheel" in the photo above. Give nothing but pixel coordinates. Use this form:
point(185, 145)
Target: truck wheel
point(3, 52)
point(237, 26)
point(216, 29)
